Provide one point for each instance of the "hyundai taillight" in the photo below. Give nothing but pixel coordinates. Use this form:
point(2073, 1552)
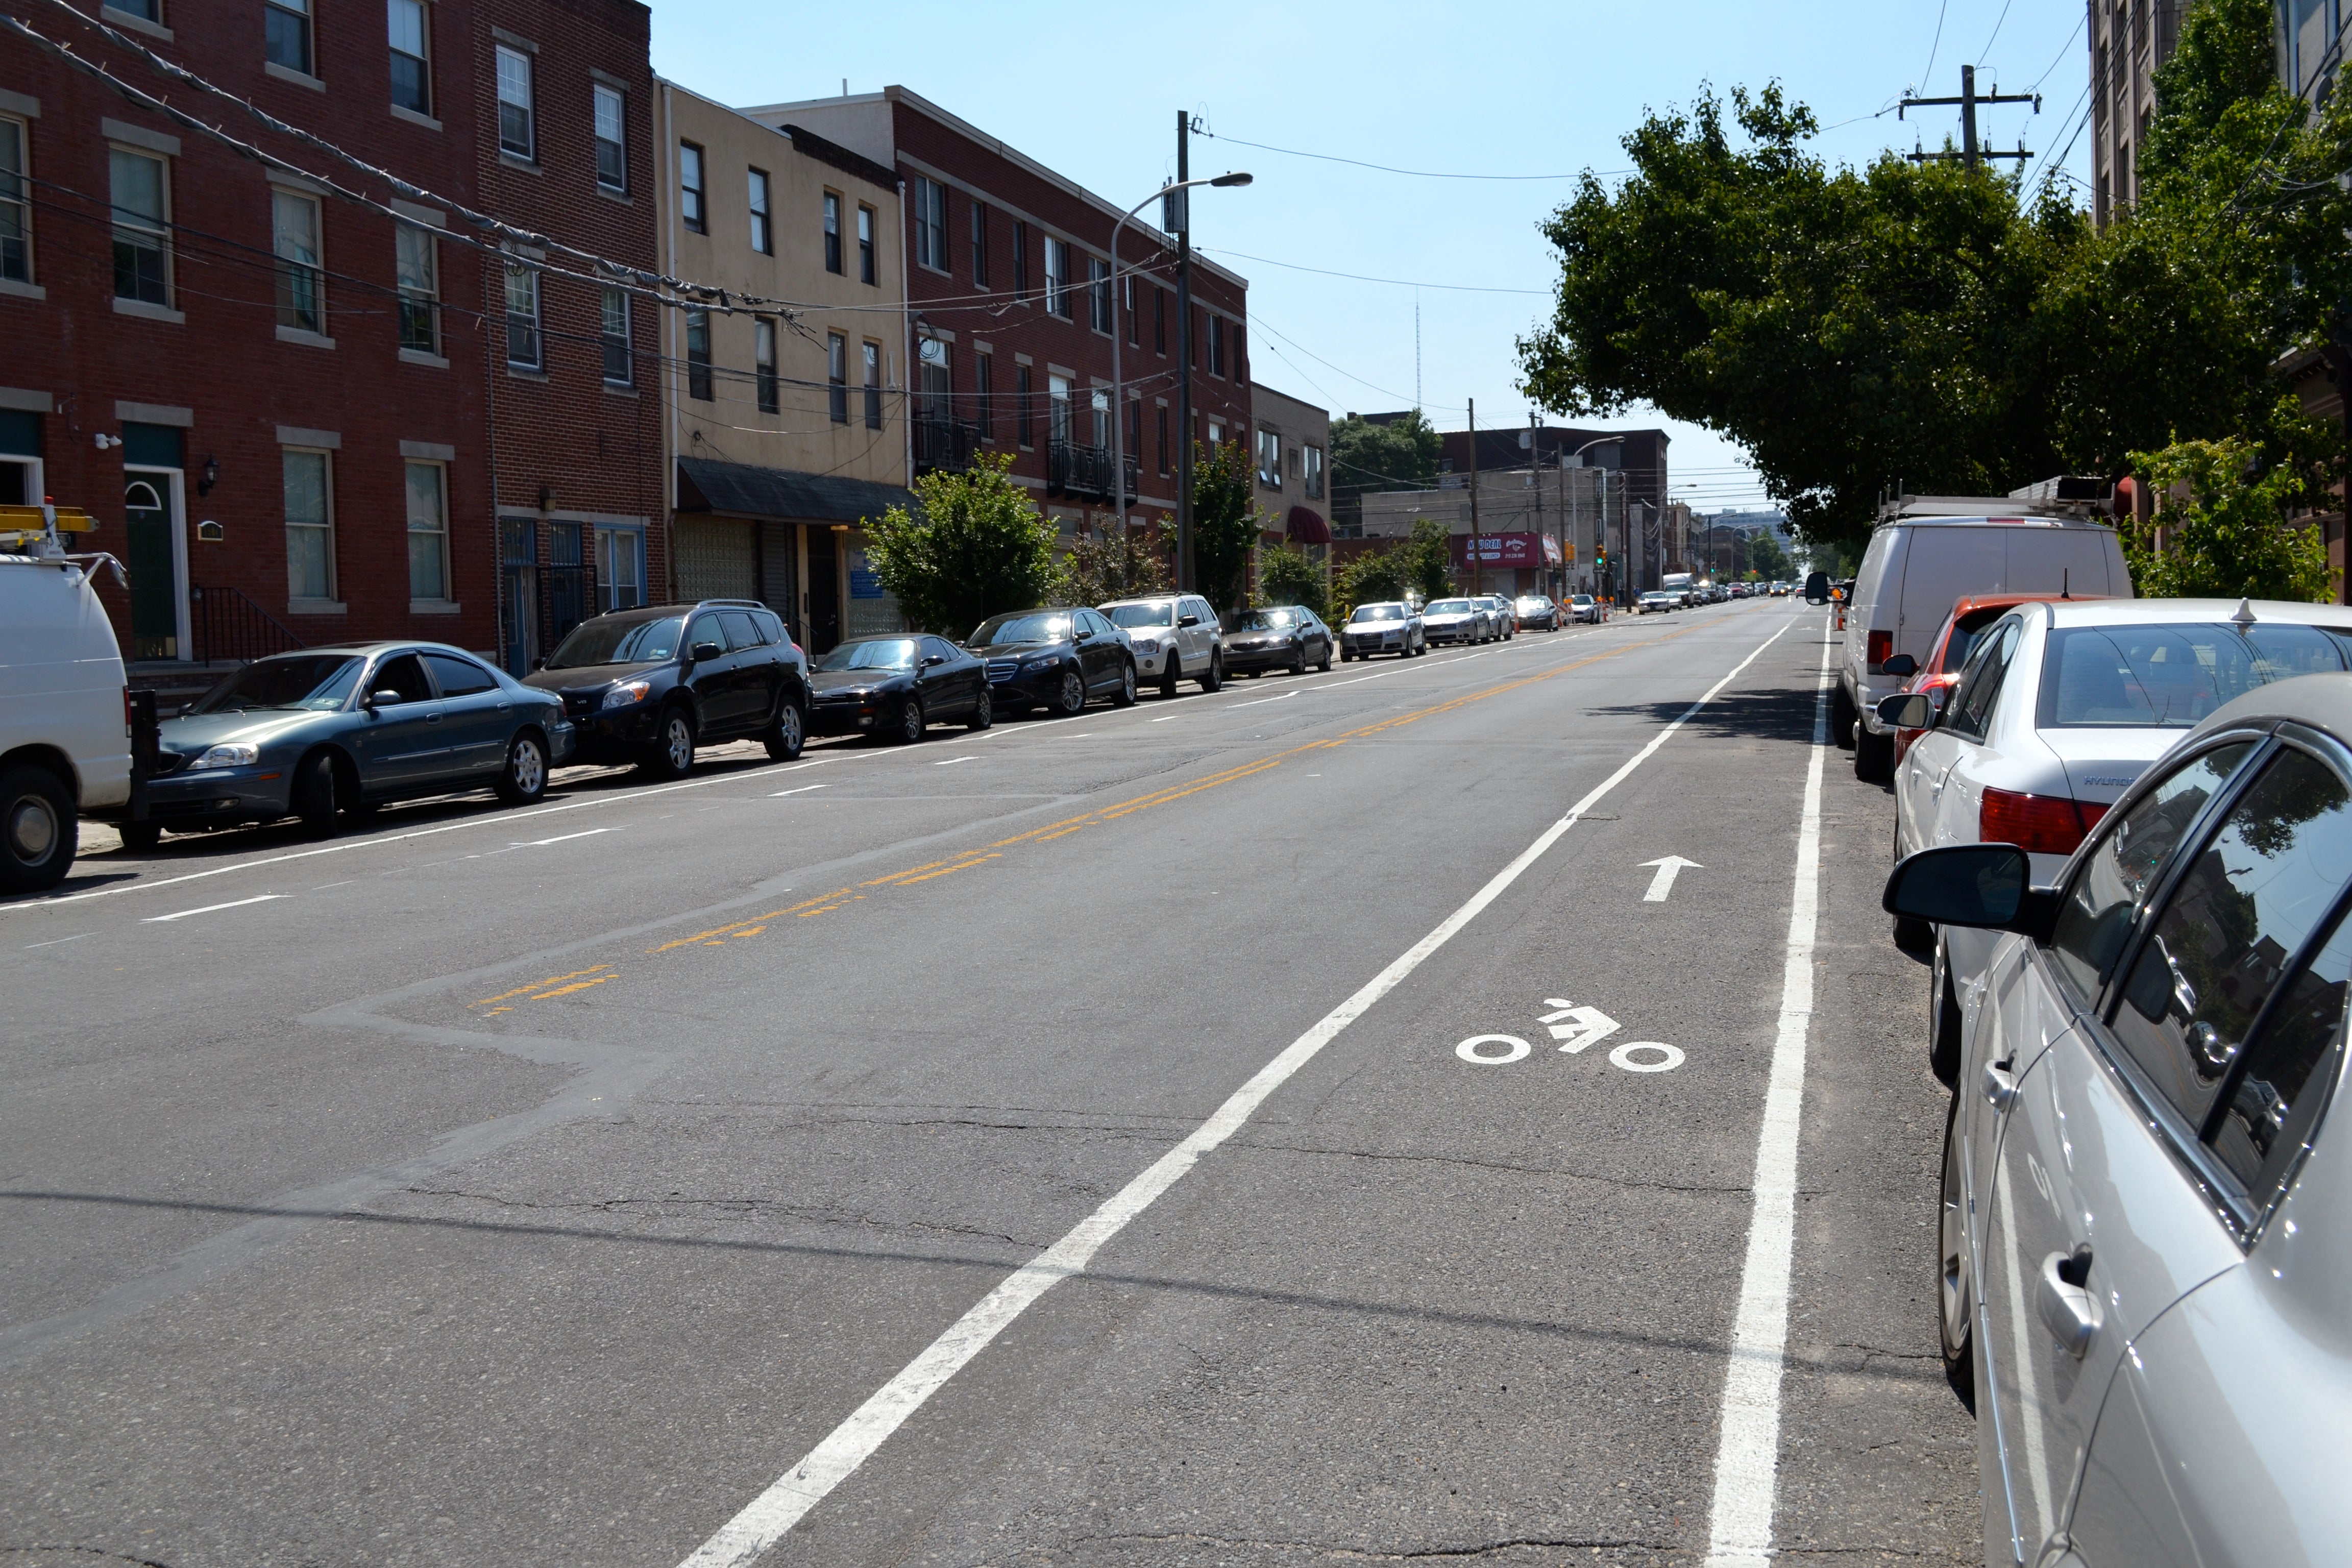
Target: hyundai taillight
point(1881, 649)
point(2037, 823)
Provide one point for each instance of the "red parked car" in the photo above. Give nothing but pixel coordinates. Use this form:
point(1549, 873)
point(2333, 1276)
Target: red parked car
point(1950, 650)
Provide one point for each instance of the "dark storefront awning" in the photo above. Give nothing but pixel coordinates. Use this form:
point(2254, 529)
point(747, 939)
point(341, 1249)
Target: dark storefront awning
point(741, 489)
point(1306, 525)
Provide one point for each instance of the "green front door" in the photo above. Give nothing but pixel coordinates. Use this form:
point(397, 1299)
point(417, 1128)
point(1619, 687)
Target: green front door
point(155, 601)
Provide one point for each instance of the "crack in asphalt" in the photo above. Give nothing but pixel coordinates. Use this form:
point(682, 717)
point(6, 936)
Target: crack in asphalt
point(1369, 1554)
point(748, 1207)
point(1729, 1188)
point(98, 1552)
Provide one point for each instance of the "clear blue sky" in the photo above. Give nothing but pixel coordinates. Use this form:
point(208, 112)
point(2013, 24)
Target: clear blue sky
point(1542, 90)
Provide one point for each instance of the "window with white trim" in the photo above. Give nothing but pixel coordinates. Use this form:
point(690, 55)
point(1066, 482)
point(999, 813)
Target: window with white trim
point(873, 384)
point(411, 69)
point(15, 210)
point(832, 232)
point(525, 350)
point(140, 189)
point(518, 127)
point(612, 140)
point(865, 270)
point(301, 282)
point(1057, 277)
point(1313, 483)
point(620, 359)
point(1099, 294)
point(620, 568)
point(417, 265)
point(1269, 458)
point(309, 524)
point(689, 187)
point(286, 34)
point(763, 364)
point(931, 223)
point(428, 531)
point(762, 240)
point(836, 377)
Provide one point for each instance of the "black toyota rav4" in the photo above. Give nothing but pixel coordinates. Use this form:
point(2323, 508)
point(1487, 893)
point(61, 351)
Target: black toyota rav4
point(647, 686)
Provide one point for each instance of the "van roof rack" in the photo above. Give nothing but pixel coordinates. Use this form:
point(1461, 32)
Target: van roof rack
point(2031, 502)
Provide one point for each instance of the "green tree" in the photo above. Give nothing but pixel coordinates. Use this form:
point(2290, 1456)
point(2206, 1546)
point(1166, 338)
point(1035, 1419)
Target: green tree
point(1397, 454)
point(2225, 523)
point(1225, 523)
point(1766, 557)
point(1286, 576)
point(1114, 562)
point(1369, 579)
point(1427, 559)
point(972, 545)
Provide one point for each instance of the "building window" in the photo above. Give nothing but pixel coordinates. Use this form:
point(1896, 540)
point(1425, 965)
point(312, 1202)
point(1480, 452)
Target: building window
point(1099, 294)
point(1216, 345)
point(979, 245)
point(873, 386)
point(866, 271)
point(698, 354)
point(1134, 320)
point(1314, 480)
point(689, 187)
point(416, 265)
point(294, 234)
point(1132, 437)
point(1163, 412)
point(141, 230)
point(832, 232)
point(286, 34)
point(612, 140)
point(1216, 434)
point(524, 349)
point(931, 223)
point(517, 132)
point(763, 362)
point(983, 385)
point(15, 212)
point(1057, 277)
point(145, 10)
point(620, 568)
point(836, 377)
point(428, 533)
point(1269, 458)
point(762, 239)
point(620, 360)
point(412, 71)
point(1021, 410)
point(1020, 260)
point(1058, 423)
point(1159, 321)
point(309, 527)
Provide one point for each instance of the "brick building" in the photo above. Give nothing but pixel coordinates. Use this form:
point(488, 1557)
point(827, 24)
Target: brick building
point(2128, 39)
point(1010, 311)
point(1292, 449)
point(295, 416)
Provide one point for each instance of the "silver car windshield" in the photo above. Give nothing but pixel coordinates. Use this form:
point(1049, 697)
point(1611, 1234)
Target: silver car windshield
point(313, 682)
point(1448, 607)
point(2170, 677)
point(1377, 613)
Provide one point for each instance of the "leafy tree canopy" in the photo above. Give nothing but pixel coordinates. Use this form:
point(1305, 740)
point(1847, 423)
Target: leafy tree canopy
point(1286, 576)
point(1399, 455)
point(1224, 522)
point(1115, 564)
point(973, 545)
point(2222, 524)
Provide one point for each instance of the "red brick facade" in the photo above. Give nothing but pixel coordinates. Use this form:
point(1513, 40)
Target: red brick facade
point(211, 379)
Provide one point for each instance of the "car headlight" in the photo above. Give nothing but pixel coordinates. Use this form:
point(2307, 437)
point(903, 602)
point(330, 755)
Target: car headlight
point(627, 693)
point(1147, 644)
point(235, 755)
point(1041, 661)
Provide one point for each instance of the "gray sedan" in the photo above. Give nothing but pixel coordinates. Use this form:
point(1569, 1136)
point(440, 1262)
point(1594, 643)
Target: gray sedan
point(2146, 1232)
point(333, 730)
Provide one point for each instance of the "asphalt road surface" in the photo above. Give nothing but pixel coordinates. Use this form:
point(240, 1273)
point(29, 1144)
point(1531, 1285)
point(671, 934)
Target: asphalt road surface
point(1072, 1143)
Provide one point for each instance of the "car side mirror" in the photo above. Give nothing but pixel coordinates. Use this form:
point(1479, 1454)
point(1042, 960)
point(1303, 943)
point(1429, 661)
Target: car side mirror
point(1902, 666)
point(931, 658)
point(703, 650)
point(387, 698)
point(1816, 588)
point(1188, 620)
point(539, 663)
point(1985, 886)
point(1907, 710)
point(1081, 634)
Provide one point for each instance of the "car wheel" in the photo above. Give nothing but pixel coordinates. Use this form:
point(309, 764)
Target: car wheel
point(37, 831)
point(1324, 664)
point(672, 756)
point(1944, 1021)
point(788, 734)
point(1298, 660)
point(1125, 696)
point(911, 723)
point(1170, 675)
point(1842, 716)
point(1069, 695)
point(1873, 756)
point(141, 834)
point(1346, 659)
point(313, 796)
point(524, 778)
point(983, 713)
point(1955, 1303)
point(1215, 675)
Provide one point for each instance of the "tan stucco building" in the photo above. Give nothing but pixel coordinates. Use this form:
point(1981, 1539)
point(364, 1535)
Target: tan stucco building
point(784, 402)
point(1291, 450)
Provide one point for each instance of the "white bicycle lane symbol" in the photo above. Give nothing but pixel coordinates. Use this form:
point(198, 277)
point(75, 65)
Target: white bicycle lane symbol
point(1577, 1028)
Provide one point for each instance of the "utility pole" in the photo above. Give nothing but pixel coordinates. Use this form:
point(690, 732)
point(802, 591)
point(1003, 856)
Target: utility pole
point(1183, 352)
point(1967, 100)
point(1477, 575)
point(1534, 483)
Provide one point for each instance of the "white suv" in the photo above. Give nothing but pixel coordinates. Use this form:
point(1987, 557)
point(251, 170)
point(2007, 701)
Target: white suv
point(1176, 636)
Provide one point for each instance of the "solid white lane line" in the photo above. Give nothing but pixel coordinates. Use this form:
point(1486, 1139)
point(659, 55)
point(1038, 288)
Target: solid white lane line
point(767, 1517)
point(1258, 701)
point(558, 838)
point(55, 940)
point(209, 909)
point(803, 789)
point(1747, 1454)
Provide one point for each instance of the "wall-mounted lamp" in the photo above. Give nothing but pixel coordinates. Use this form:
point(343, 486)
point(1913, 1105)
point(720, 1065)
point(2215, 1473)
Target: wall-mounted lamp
point(105, 440)
point(211, 533)
point(212, 476)
point(546, 497)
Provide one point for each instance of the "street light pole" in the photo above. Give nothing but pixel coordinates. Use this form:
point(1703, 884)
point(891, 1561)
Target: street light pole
point(1119, 393)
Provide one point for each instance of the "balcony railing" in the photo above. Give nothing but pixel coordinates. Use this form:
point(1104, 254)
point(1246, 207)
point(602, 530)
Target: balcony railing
point(1074, 469)
point(226, 625)
point(945, 444)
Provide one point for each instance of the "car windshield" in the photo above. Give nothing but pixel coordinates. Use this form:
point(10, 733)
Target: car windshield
point(876, 653)
point(2170, 677)
point(1378, 613)
point(1262, 621)
point(1582, 599)
point(1142, 614)
point(1963, 638)
point(308, 682)
point(1449, 607)
point(616, 641)
point(997, 630)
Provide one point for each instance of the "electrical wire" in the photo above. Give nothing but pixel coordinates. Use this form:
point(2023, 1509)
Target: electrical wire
point(1361, 278)
point(1923, 75)
point(1410, 173)
point(2080, 22)
point(1998, 21)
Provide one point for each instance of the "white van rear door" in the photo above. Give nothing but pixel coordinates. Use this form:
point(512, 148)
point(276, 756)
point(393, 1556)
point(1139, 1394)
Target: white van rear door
point(2064, 561)
point(1944, 564)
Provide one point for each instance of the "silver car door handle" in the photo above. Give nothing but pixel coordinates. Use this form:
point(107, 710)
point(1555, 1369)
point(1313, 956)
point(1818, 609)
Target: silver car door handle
point(2067, 1309)
point(433, 718)
point(1999, 1088)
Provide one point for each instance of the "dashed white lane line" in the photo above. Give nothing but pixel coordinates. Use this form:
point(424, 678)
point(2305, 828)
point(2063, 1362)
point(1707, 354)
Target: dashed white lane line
point(767, 1517)
point(55, 940)
point(1258, 701)
point(950, 761)
point(558, 838)
point(1747, 1453)
point(802, 789)
point(214, 909)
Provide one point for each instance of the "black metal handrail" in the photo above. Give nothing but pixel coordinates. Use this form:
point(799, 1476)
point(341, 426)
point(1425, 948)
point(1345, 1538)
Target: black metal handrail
point(1073, 469)
point(945, 444)
point(226, 626)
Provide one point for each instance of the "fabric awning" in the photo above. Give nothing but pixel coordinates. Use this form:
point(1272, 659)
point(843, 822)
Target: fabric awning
point(1306, 525)
point(742, 490)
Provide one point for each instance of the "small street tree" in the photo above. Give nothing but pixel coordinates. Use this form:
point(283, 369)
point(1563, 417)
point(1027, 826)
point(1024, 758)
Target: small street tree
point(974, 544)
point(1427, 559)
point(1113, 563)
point(2226, 531)
point(1369, 580)
point(1286, 576)
point(1369, 455)
point(1224, 523)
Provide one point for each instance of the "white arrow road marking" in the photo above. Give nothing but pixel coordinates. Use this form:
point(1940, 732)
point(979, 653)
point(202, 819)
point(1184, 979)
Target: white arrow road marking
point(1669, 868)
point(802, 790)
point(1578, 1027)
point(209, 909)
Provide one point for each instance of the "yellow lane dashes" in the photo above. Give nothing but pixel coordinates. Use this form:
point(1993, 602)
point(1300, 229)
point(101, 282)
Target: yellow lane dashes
point(540, 986)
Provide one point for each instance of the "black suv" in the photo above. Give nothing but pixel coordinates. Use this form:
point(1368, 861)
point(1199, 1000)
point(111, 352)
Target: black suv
point(647, 686)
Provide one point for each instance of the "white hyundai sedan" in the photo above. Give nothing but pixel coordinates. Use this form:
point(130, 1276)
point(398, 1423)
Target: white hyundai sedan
point(2060, 708)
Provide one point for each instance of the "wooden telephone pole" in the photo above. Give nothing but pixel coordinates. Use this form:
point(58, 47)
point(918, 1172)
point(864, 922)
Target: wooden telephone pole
point(1967, 100)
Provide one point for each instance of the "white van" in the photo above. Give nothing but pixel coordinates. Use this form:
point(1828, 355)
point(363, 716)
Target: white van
point(1928, 551)
point(65, 731)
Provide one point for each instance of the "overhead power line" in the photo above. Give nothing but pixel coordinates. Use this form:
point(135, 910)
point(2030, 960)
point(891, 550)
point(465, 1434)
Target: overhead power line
point(1409, 173)
point(1361, 278)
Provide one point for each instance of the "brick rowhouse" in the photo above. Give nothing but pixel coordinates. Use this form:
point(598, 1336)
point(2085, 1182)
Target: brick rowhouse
point(283, 407)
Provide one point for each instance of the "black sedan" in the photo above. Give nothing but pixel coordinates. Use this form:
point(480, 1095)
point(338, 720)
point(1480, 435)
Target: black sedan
point(1054, 659)
point(332, 729)
point(1287, 636)
point(647, 686)
point(894, 688)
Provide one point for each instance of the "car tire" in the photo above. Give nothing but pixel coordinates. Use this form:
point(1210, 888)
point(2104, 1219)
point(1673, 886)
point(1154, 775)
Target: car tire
point(672, 756)
point(38, 833)
point(1299, 662)
point(1171, 674)
point(1216, 676)
point(1873, 756)
point(1323, 665)
point(523, 779)
point(983, 713)
point(1944, 1020)
point(141, 835)
point(313, 795)
point(1842, 716)
point(911, 723)
point(1955, 1303)
point(1070, 696)
point(785, 738)
point(1125, 696)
